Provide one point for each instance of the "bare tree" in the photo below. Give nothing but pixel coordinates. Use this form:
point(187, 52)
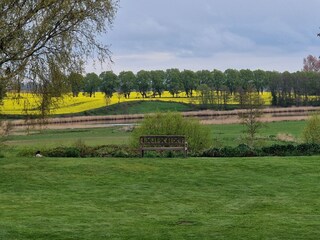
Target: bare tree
point(311, 64)
point(250, 114)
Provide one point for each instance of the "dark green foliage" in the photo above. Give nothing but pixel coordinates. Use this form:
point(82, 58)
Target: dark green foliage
point(84, 151)
point(308, 149)
point(63, 152)
point(242, 150)
point(91, 84)
point(115, 151)
point(109, 83)
point(273, 150)
point(76, 82)
point(279, 150)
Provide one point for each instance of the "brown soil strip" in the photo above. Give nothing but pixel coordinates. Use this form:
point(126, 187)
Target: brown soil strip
point(206, 117)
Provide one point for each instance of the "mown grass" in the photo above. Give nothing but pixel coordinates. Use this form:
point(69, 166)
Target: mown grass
point(194, 198)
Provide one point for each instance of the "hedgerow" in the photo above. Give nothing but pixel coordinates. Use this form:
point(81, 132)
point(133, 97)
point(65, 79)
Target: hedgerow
point(122, 151)
point(243, 150)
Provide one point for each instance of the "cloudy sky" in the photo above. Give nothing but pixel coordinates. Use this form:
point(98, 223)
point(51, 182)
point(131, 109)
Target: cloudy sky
point(213, 34)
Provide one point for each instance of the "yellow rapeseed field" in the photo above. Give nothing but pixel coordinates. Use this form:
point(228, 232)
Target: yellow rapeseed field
point(24, 103)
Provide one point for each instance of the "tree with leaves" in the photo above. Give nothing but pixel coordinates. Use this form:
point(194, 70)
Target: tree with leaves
point(259, 80)
point(50, 88)
point(127, 81)
point(218, 82)
point(157, 82)
point(109, 83)
point(189, 81)
point(231, 79)
point(91, 84)
point(36, 34)
point(76, 81)
point(143, 82)
point(173, 81)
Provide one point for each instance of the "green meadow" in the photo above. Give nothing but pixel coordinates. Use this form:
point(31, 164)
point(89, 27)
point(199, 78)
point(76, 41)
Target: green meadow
point(222, 135)
point(194, 198)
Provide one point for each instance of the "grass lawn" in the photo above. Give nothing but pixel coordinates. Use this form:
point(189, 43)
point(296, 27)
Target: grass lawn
point(141, 107)
point(194, 198)
point(231, 134)
point(68, 137)
point(222, 135)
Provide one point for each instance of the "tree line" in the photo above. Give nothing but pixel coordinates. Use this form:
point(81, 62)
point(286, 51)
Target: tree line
point(214, 87)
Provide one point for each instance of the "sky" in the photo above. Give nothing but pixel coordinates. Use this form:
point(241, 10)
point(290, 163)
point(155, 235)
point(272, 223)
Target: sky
point(273, 35)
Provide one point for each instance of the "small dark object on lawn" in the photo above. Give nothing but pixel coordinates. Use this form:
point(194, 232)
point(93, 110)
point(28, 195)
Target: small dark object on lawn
point(38, 154)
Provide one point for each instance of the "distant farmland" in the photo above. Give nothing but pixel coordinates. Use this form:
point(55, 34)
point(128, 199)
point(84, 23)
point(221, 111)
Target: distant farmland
point(27, 103)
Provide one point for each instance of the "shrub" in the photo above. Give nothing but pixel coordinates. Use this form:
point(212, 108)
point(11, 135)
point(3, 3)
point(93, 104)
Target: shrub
point(273, 150)
point(197, 135)
point(279, 150)
point(308, 149)
point(63, 152)
point(85, 151)
point(115, 151)
point(311, 132)
point(27, 152)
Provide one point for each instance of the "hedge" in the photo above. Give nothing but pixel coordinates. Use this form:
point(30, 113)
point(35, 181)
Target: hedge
point(126, 151)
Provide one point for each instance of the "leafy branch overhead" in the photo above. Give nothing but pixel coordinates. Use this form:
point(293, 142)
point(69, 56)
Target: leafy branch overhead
point(36, 33)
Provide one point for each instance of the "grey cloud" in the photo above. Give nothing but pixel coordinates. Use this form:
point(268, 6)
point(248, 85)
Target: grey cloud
point(208, 28)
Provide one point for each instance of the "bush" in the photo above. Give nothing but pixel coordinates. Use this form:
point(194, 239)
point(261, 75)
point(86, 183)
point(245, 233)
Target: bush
point(242, 150)
point(279, 150)
point(27, 152)
point(308, 149)
point(273, 150)
point(311, 132)
point(115, 151)
point(197, 135)
point(63, 152)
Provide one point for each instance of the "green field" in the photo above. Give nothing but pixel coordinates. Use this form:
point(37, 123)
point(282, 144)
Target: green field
point(141, 107)
point(194, 198)
point(222, 135)
point(52, 138)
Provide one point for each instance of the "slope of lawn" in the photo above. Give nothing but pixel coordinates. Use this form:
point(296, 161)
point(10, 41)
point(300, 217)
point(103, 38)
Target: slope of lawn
point(141, 107)
point(194, 198)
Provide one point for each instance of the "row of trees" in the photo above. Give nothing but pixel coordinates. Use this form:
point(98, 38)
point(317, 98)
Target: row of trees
point(215, 87)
